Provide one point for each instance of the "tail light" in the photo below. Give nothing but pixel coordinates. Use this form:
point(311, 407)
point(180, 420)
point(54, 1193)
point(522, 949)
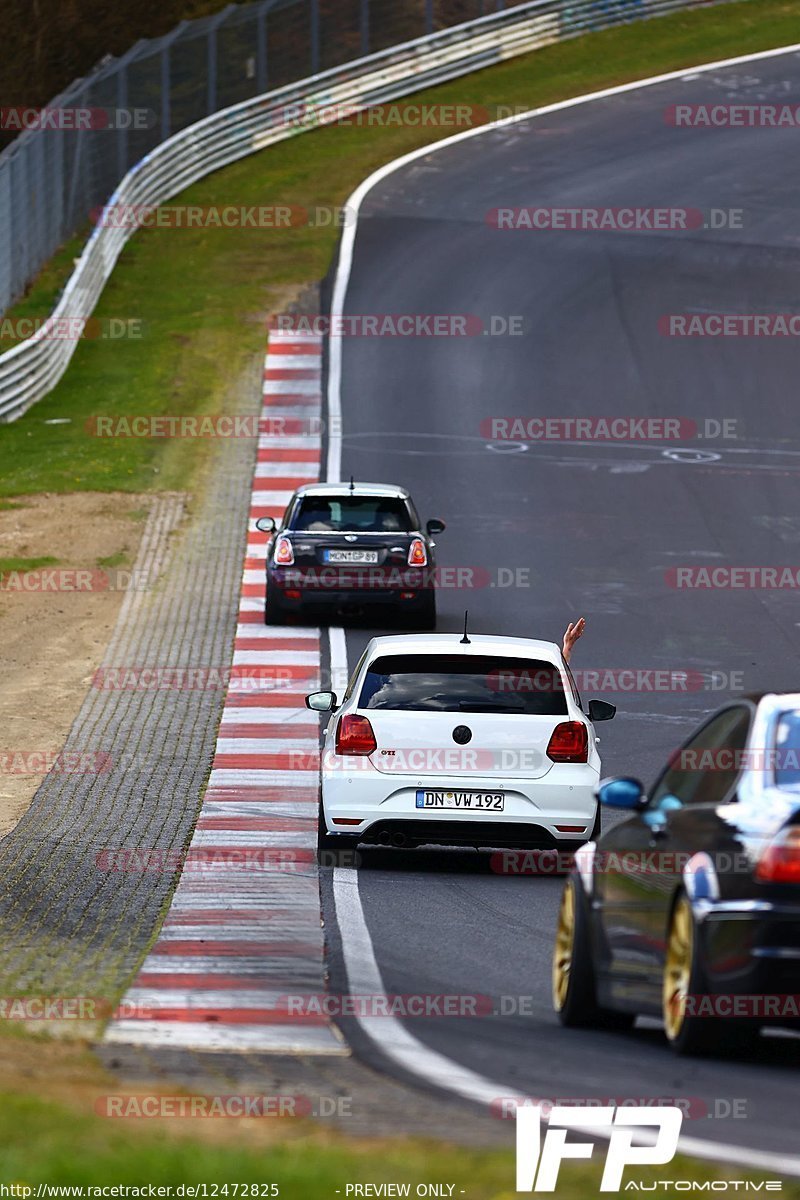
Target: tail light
point(569, 743)
point(354, 736)
point(780, 862)
point(417, 554)
point(284, 554)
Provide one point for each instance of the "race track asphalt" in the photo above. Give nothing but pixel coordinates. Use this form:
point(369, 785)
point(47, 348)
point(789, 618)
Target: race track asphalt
point(598, 526)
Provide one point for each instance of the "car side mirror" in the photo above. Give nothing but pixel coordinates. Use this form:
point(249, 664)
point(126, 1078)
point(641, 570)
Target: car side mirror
point(622, 792)
point(601, 710)
point(322, 701)
point(435, 526)
point(266, 524)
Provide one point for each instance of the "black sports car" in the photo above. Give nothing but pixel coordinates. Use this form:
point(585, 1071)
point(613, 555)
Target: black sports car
point(690, 910)
point(347, 548)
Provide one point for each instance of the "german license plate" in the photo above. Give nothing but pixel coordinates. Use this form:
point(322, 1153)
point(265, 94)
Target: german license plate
point(436, 798)
point(351, 556)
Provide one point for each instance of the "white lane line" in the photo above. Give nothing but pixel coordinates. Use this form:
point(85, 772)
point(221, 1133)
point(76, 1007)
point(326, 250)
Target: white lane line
point(356, 943)
point(388, 1034)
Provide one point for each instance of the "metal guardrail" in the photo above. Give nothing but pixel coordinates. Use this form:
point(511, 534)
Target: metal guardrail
point(30, 370)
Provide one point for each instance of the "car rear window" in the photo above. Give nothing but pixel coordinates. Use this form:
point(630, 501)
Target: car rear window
point(351, 514)
point(787, 751)
point(464, 683)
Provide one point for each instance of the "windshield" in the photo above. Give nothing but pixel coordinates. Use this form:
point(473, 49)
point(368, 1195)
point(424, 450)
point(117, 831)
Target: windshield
point(464, 684)
point(354, 514)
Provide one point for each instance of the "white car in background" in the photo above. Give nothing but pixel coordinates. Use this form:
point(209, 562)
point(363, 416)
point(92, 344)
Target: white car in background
point(478, 741)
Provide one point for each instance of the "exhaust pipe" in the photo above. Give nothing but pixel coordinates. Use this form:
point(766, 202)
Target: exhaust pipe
point(385, 838)
point(398, 840)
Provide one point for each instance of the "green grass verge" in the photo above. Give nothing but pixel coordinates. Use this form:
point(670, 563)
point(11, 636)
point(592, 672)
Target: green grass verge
point(75, 1149)
point(201, 295)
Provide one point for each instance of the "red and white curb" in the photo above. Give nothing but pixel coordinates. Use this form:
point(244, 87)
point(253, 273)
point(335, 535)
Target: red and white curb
point(243, 934)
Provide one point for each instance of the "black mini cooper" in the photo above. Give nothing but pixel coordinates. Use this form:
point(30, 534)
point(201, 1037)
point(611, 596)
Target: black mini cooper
point(346, 549)
point(690, 909)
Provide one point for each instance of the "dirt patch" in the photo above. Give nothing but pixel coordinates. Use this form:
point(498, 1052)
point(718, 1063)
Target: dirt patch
point(53, 638)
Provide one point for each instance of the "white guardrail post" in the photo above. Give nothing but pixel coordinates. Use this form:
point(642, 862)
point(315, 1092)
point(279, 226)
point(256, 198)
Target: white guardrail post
point(31, 369)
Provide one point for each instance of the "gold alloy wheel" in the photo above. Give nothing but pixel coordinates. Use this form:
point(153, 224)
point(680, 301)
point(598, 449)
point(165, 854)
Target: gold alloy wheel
point(562, 954)
point(677, 969)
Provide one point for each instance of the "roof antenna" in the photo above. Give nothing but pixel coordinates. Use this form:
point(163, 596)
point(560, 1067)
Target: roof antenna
point(352, 484)
point(465, 640)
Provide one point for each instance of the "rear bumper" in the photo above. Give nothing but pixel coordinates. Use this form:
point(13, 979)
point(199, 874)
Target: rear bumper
point(385, 804)
point(332, 589)
point(751, 953)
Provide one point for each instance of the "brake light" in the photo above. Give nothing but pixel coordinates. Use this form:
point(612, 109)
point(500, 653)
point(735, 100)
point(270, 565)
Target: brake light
point(569, 742)
point(417, 554)
point(780, 862)
point(354, 736)
point(284, 554)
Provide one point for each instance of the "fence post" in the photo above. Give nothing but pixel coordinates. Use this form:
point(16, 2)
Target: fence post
point(262, 70)
point(429, 16)
point(314, 37)
point(166, 79)
point(211, 60)
point(364, 27)
point(165, 94)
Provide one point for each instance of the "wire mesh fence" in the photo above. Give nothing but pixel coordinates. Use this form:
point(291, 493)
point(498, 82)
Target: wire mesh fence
point(70, 156)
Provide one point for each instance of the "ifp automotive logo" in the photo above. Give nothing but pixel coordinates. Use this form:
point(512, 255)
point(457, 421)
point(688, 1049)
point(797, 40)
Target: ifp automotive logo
point(538, 1161)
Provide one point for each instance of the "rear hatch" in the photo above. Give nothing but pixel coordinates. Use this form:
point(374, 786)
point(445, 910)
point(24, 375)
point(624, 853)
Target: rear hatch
point(499, 746)
point(445, 714)
point(334, 549)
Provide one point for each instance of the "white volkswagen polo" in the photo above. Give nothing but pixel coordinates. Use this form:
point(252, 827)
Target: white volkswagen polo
point(478, 741)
